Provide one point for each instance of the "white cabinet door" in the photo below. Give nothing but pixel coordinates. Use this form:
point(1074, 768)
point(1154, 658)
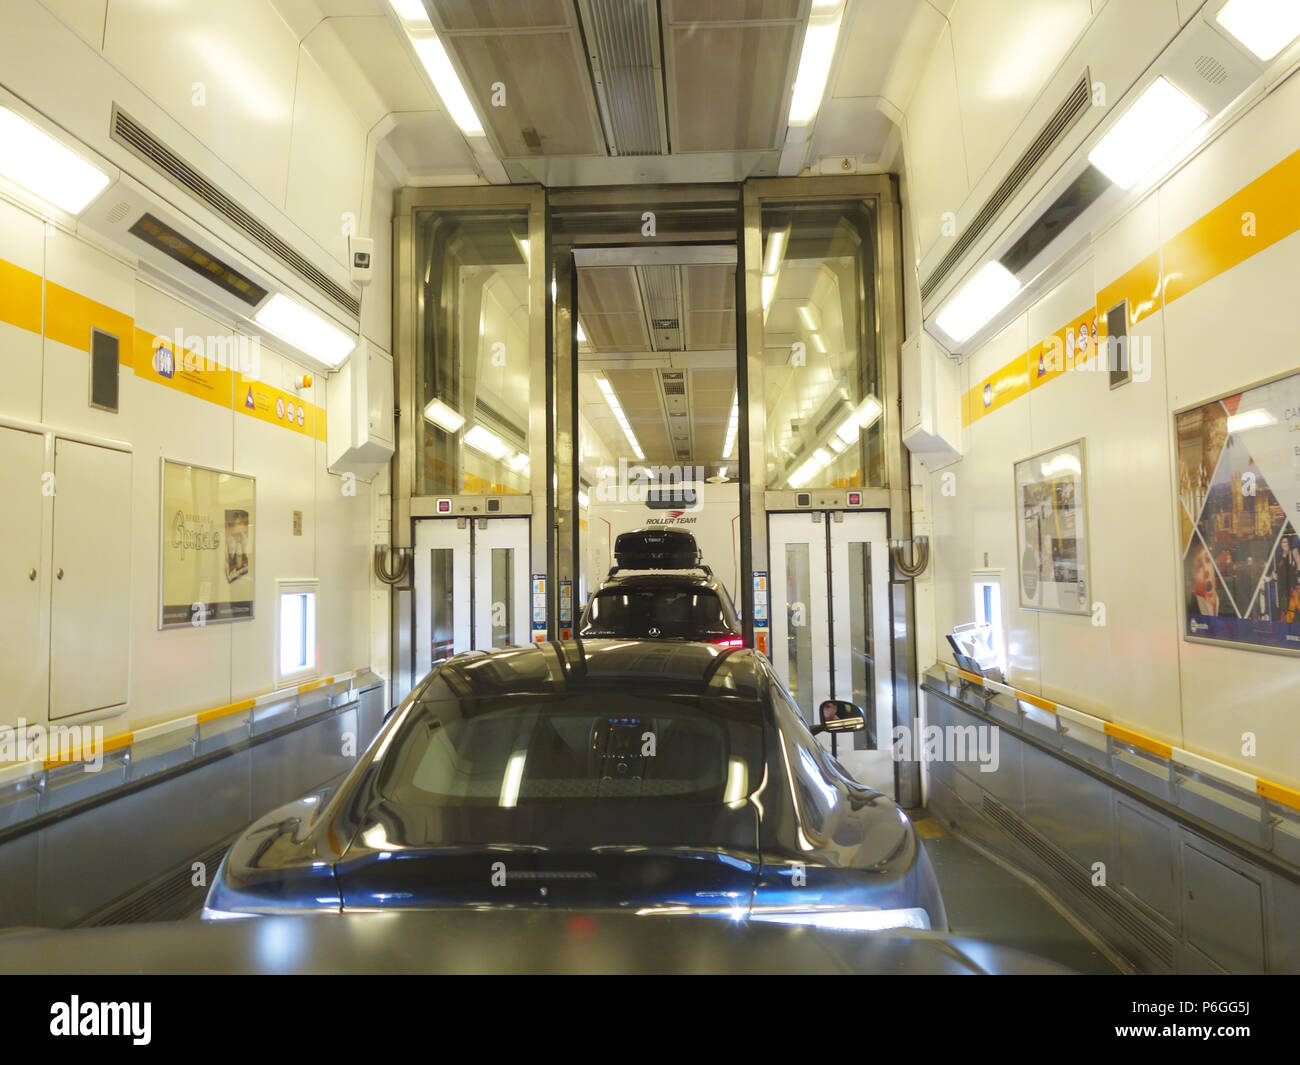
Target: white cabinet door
point(23, 676)
point(90, 611)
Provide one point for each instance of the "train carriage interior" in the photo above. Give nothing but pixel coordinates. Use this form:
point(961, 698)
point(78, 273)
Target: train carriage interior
point(664, 485)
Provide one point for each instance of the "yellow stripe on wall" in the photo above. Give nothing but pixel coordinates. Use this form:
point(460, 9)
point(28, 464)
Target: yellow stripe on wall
point(20, 297)
point(269, 404)
point(1000, 388)
point(152, 353)
point(69, 317)
point(1258, 216)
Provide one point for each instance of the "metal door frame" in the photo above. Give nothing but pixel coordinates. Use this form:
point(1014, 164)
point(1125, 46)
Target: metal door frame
point(895, 497)
point(826, 652)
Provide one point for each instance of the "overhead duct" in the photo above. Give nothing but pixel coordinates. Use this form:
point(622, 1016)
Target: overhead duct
point(145, 146)
point(1063, 119)
point(1200, 66)
point(627, 70)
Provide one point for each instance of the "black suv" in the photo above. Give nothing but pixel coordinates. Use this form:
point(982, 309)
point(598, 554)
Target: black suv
point(640, 600)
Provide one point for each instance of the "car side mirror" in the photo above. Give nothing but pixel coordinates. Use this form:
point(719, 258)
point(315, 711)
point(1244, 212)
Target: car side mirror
point(840, 716)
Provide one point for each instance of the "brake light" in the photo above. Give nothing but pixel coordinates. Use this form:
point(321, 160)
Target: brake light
point(729, 641)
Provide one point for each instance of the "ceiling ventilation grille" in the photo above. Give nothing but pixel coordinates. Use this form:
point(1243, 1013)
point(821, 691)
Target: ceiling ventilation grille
point(662, 286)
point(140, 142)
point(623, 43)
point(1071, 109)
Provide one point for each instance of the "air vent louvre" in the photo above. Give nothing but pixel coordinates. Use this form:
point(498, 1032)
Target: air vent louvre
point(502, 421)
point(1150, 939)
point(140, 142)
point(624, 42)
point(1071, 109)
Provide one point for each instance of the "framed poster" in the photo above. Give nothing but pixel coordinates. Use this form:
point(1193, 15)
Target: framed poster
point(206, 557)
point(1052, 531)
point(1239, 509)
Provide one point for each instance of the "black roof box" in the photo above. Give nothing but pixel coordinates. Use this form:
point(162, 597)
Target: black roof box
point(656, 549)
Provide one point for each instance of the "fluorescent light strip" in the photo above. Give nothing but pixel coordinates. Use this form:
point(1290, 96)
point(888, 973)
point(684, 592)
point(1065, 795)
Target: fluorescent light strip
point(445, 79)
point(1157, 122)
point(775, 247)
point(45, 167)
point(483, 439)
point(815, 63)
point(732, 426)
point(410, 11)
point(443, 416)
point(617, 408)
point(809, 469)
point(983, 296)
point(305, 330)
point(1263, 26)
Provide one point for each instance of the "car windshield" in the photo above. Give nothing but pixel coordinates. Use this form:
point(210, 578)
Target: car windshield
point(671, 610)
point(598, 749)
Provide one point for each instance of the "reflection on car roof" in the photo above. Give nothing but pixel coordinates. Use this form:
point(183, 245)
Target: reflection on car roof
point(667, 666)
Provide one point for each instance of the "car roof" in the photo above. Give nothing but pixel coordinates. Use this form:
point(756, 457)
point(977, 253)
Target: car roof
point(665, 666)
point(660, 578)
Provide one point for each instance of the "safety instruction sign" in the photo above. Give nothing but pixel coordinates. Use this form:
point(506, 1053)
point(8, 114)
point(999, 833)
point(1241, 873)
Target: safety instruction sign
point(539, 608)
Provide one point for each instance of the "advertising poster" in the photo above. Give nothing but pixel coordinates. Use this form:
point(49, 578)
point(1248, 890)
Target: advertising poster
point(207, 546)
point(1239, 506)
point(1052, 531)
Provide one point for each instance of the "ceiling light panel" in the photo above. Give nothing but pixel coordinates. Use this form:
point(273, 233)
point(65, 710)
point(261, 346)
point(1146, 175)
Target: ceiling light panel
point(305, 330)
point(1156, 123)
point(1263, 26)
point(45, 167)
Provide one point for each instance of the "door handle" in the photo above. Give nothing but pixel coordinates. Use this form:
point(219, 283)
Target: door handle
point(59, 575)
point(31, 575)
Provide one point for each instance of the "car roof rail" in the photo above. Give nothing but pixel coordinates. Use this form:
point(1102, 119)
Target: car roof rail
point(625, 570)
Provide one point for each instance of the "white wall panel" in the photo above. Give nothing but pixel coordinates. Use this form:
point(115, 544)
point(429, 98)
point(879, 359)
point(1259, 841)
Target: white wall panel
point(22, 243)
point(327, 163)
point(182, 669)
point(1005, 52)
point(342, 552)
point(1127, 243)
point(377, 298)
point(1264, 136)
point(85, 17)
point(284, 464)
point(244, 56)
point(935, 146)
point(66, 373)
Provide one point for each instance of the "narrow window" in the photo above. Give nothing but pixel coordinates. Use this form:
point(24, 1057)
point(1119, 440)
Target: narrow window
point(296, 631)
